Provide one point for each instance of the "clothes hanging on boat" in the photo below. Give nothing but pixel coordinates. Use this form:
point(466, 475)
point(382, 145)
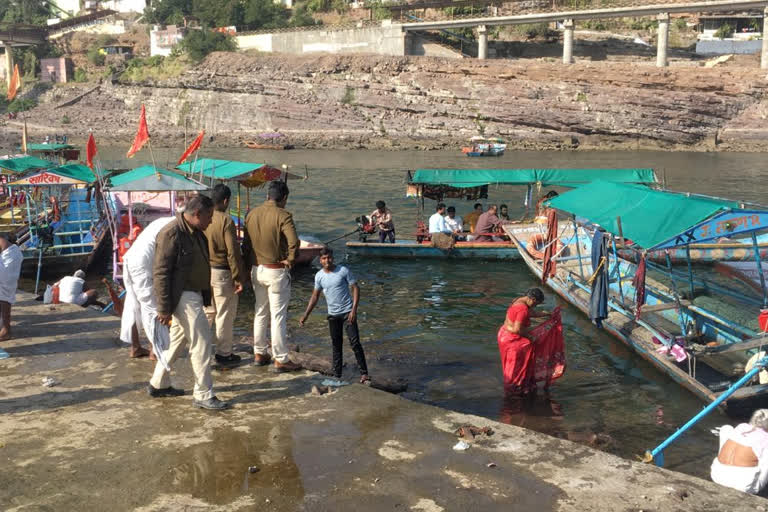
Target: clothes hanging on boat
point(10, 268)
point(639, 283)
point(548, 266)
point(549, 350)
point(598, 299)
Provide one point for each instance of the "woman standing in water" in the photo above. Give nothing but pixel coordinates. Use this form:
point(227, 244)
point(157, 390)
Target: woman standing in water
point(517, 352)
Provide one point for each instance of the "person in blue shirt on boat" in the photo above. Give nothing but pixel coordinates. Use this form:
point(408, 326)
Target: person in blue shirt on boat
point(336, 282)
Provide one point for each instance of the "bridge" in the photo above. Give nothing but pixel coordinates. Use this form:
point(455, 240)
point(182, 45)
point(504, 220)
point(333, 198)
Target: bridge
point(660, 10)
point(18, 35)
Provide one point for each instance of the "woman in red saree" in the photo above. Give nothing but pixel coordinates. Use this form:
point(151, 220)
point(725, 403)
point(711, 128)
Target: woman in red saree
point(517, 350)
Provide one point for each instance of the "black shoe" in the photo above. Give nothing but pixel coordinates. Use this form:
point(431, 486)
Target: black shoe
point(169, 391)
point(212, 403)
point(230, 359)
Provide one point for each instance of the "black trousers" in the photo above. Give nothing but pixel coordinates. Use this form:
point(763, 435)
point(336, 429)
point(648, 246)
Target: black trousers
point(336, 324)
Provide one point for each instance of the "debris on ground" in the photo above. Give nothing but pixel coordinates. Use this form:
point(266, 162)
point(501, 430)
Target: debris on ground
point(49, 382)
point(461, 446)
point(470, 431)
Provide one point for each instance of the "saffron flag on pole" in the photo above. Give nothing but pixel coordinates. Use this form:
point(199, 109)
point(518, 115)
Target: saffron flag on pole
point(192, 147)
point(90, 151)
point(15, 84)
point(142, 135)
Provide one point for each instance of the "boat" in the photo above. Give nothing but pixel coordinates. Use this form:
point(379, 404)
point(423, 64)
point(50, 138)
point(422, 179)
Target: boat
point(472, 184)
point(481, 146)
point(67, 223)
point(12, 167)
point(247, 175)
point(701, 332)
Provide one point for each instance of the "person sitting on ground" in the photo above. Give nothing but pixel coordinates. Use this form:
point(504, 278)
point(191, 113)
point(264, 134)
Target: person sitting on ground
point(742, 462)
point(10, 269)
point(382, 219)
point(73, 290)
point(504, 213)
point(454, 223)
point(487, 224)
point(471, 218)
point(335, 282)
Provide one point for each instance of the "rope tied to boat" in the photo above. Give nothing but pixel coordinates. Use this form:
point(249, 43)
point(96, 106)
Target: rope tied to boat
point(597, 271)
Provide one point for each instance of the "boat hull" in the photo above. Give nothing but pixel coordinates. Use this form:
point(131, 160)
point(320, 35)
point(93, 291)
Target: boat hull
point(412, 249)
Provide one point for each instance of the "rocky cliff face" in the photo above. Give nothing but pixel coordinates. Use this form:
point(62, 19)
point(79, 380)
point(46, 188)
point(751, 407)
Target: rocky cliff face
point(373, 101)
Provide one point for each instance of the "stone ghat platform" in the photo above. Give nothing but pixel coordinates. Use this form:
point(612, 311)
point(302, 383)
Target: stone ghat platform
point(97, 442)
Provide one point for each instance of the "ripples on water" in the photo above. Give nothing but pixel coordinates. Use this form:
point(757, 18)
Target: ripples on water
point(434, 322)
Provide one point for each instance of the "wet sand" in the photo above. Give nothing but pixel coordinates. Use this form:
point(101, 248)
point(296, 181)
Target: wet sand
point(97, 441)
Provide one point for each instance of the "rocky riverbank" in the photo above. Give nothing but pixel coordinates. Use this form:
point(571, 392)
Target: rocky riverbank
point(354, 101)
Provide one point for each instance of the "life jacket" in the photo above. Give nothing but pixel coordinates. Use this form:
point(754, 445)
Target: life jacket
point(125, 242)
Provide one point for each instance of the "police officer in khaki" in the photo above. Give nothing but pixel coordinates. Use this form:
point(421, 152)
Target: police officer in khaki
point(271, 246)
point(181, 277)
point(226, 273)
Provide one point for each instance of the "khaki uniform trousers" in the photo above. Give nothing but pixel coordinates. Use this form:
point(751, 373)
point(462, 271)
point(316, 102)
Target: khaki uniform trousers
point(189, 323)
point(272, 288)
point(223, 310)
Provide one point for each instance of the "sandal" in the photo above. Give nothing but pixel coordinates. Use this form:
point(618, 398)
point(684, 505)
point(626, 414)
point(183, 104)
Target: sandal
point(365, 379)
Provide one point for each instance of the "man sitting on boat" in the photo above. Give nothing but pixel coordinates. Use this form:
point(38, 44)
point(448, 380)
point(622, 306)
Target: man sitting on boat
point(10, 268)
point(504, 213)
point(382, 219)
point(442, 236)
point(742, 462)
point(73, 290)
point(454, 223)
point(471, 218)
point(487, 224)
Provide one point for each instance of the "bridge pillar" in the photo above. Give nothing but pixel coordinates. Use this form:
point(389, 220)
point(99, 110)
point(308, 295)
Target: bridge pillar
point(764, 54)
point(568, 42)
point(662, 44)
point(8, 64)
point(482, 42)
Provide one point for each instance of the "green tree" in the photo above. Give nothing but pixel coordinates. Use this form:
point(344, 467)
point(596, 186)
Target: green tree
point(32, 12)
point(219, 13)
point(199, 43)
point(265, 14)
point(167, 12)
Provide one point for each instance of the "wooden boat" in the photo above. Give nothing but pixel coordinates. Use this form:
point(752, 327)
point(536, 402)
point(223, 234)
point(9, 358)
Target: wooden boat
point(714, 325)
point(67, 226)
point(472, 184)
point(739, 249)
point(481, 146)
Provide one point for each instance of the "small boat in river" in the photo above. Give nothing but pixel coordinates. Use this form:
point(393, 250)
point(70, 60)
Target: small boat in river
point(481, 146)
point(703, 332)
point(472, 184)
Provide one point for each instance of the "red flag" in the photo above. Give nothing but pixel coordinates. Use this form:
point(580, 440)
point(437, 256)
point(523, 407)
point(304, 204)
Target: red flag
point(15, 84)
point(90, 151)
point(142, 135)
point(192, 147)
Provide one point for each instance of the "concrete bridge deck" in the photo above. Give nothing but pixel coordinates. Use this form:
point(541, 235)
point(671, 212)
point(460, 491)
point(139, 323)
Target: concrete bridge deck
point(96, 441)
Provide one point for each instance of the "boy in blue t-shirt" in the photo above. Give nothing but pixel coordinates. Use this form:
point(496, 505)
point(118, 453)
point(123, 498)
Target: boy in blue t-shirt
point(335, 282)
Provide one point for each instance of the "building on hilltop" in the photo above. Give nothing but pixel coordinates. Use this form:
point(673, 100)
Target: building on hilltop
point(56, 70)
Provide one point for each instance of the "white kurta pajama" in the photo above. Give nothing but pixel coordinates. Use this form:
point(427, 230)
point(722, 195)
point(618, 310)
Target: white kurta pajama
point(10, 269)
point(140, 306)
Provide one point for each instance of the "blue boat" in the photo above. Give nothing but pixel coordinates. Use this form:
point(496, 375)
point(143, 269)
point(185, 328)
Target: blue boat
point(414, 249)
point(710, 324)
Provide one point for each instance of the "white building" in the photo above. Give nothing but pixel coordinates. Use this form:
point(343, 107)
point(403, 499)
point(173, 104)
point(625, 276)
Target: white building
point(162, 41)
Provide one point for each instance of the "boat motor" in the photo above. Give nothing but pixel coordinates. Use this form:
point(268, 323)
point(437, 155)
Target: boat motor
point(365, 227)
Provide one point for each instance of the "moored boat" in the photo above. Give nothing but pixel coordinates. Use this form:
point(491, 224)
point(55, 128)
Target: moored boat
point(701, 332)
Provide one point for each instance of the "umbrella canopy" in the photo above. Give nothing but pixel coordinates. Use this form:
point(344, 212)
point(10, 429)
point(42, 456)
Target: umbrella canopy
point(148, 178)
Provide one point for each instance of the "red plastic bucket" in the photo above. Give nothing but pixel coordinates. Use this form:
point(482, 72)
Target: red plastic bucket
point(762, 319)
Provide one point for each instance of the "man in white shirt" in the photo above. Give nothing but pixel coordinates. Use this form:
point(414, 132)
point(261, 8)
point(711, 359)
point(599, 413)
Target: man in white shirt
point(453, 222)
point(10, 268)
point(437, 221)
point(72, 290)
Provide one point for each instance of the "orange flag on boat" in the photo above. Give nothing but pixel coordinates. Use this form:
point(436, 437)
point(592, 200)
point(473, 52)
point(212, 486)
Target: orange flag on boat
point(15, 84)
point(90, 151)
point(192, 147)
point(142, 135)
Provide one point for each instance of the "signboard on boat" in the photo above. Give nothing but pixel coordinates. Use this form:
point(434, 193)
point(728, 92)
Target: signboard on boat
point(47, 178)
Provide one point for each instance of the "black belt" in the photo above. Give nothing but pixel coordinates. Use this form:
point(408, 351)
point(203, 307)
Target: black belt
point(220, 267)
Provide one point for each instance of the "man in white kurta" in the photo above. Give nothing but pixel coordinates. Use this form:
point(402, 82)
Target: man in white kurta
point(10, 269)
point(140, 307)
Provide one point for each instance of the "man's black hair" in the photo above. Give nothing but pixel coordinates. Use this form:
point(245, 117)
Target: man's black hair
point(535, 294)
point(380, 204)
point(197, 204)
point(476, 205)
point(326, 251)
point(221, 193)
point(503, 206)
point(277, 190)
point(451, 209)
point(440, 206)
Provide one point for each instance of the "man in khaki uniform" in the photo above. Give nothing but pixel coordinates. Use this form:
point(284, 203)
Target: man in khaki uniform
point(226, 273)
point(271, 246)
point(181, 278)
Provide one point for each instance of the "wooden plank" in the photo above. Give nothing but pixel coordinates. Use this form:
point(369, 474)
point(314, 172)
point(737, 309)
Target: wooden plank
point(663, 307)
point(738, 346)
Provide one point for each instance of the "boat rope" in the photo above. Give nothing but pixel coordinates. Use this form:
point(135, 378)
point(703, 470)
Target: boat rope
point(597, 271)
point(342, 236)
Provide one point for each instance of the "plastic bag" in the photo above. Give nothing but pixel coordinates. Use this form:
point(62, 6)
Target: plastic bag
point(48, 295)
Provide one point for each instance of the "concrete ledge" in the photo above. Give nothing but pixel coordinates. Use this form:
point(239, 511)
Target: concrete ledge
point(97, 441)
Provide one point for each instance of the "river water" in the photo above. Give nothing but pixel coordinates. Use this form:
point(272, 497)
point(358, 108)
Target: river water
point(434, 322)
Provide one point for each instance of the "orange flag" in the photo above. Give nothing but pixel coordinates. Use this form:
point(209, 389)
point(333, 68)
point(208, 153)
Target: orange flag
point(142, 135)
point(90, 151)
point(192, 147)
point(15, 84)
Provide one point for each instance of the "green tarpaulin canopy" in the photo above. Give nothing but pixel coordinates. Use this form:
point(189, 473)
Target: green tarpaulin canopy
point(464, 178)
point(76, 172)
point(24, 164)
point(219, 169)
point(148, 178)
point(648, 217)
point(49, 147)
point(71, 174)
